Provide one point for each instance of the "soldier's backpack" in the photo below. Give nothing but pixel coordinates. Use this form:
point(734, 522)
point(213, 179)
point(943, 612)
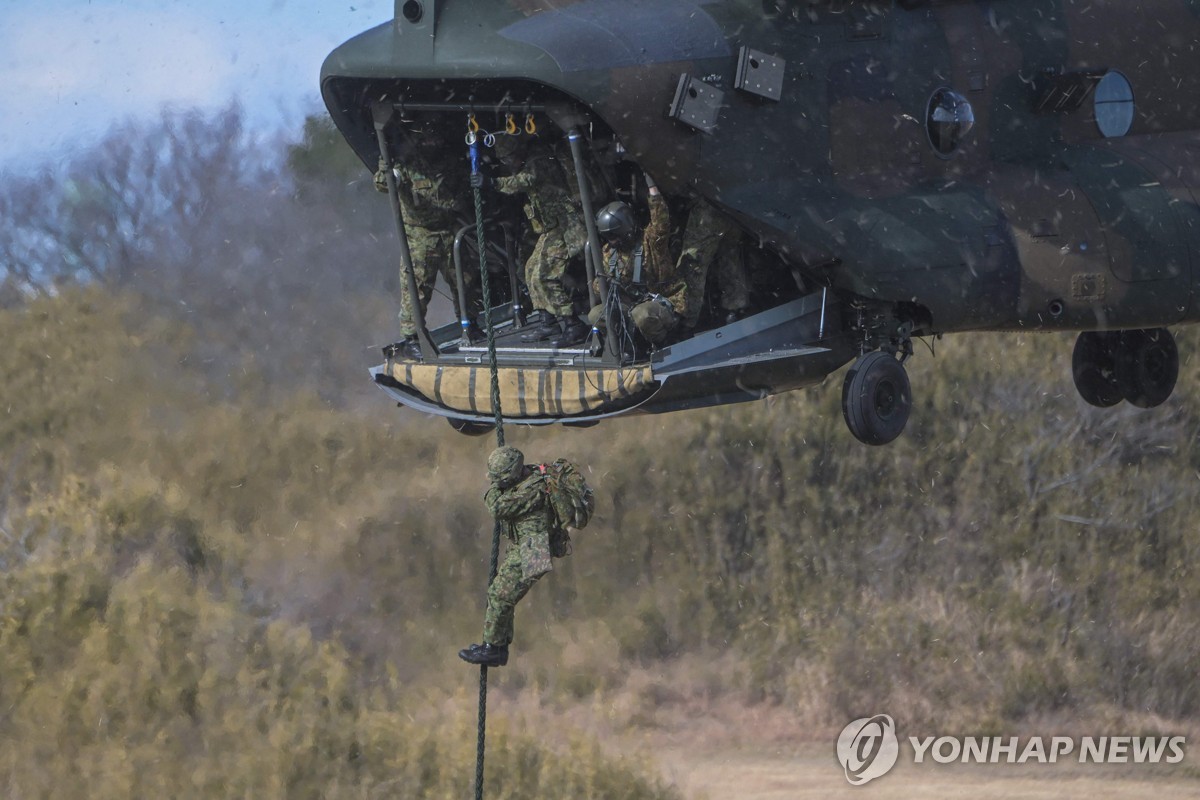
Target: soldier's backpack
point(572, 500)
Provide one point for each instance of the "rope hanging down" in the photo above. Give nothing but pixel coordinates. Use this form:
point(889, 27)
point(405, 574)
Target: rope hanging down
point(477, 189)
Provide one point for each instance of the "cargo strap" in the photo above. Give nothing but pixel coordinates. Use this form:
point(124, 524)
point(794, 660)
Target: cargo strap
point(639, 258)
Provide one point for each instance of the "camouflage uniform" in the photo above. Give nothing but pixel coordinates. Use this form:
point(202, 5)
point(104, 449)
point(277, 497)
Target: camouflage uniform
point(709, 236)
point(525, 512)
point(658, 275)
point(435, 198)
point(553, 209)
point(658, 270)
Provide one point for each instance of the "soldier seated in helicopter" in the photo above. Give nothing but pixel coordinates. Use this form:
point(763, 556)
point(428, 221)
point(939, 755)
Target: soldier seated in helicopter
point(638, 262)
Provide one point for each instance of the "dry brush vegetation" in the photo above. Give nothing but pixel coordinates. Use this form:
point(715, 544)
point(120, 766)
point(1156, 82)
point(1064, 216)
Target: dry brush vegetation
point(231, 569)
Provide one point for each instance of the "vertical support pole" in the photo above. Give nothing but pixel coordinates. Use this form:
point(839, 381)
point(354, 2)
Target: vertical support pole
point(589, 213)
point(593, 295)
point(593, 250)
point(510, 246)
point(382, 115)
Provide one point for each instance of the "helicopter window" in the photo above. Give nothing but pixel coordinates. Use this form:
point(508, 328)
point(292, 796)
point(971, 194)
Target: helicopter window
point(949, 118)
point(1114, 105)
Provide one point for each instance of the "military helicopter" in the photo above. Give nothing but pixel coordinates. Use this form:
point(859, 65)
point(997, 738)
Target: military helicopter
point(899, 170)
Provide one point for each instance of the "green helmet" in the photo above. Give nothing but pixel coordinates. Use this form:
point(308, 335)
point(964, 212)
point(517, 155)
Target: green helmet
point(505, 465)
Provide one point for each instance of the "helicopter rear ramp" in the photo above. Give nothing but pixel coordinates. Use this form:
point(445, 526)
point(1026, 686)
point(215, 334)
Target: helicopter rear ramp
point(790, 346)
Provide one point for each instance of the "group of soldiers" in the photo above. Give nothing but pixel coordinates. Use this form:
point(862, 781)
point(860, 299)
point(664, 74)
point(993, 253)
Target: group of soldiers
point(663, 295)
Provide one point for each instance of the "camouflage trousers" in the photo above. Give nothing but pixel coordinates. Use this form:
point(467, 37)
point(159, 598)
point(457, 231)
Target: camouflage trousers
point(709, 237)
point(524, 563)
point(547, 265)
point(432, 253)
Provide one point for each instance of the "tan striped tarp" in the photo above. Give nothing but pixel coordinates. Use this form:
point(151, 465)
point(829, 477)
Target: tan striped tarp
point(524, 392)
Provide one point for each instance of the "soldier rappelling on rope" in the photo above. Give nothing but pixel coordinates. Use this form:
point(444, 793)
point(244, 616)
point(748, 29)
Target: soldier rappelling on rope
point(535, 505)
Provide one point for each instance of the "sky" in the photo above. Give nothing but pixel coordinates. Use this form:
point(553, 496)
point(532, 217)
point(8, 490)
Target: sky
point(70, 69)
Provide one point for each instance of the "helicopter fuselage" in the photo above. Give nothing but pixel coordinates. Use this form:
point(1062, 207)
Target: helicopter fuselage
point(990, 165)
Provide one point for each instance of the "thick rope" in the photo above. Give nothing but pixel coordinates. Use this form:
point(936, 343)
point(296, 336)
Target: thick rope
point(487, 305)
point(481, 721)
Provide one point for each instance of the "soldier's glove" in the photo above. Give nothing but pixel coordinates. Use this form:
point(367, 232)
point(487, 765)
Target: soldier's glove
point(478, 180)
point(650, 184)
point(665, 303)
point(381, 177)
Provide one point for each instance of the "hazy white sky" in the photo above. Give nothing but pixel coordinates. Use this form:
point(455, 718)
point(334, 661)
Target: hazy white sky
point(69, 69)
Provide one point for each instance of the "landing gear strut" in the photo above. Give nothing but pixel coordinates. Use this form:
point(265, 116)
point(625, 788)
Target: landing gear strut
point(876, 398)
point(1140, 366)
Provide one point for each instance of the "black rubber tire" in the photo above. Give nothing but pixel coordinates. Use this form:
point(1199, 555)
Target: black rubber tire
point(468, 428)
point(1093, 366)
point(876, 398)
point(1147, 366)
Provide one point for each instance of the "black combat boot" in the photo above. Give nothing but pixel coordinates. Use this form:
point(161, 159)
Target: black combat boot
point(486, 655)
point(546, 329)
point(571, 331)
point(407, 348)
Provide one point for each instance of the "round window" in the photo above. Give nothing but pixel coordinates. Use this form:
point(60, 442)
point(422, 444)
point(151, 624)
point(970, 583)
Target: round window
point(948, 120)
point(1114, 105)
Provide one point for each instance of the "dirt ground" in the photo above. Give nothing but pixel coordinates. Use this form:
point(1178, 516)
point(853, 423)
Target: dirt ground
point(721, 748)
point(811, 771)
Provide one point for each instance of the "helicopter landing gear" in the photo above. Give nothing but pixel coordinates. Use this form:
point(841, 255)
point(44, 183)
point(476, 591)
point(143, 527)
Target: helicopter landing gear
point(1147, 366)
point(1093, 366)
point(876, 398)
point(1140, 366)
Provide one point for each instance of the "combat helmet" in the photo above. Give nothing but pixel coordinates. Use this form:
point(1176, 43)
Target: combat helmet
point(615, 222)
point(505, 465)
